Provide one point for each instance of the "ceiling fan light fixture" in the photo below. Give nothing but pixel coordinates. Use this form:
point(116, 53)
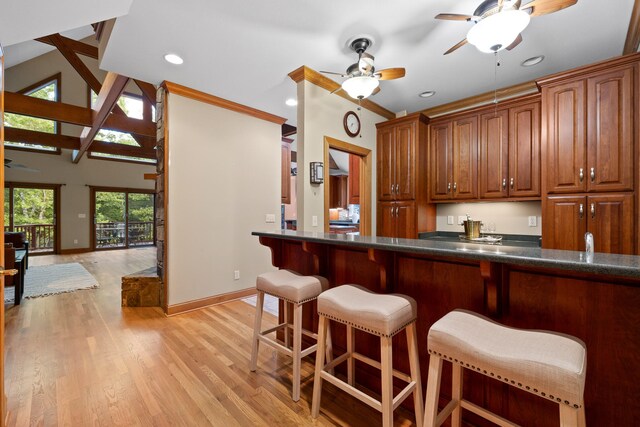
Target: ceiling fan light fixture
point(360, 87)
point(496, 32)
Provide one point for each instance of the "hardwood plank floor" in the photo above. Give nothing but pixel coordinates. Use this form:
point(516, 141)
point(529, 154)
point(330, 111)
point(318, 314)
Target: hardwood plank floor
point(79, 359)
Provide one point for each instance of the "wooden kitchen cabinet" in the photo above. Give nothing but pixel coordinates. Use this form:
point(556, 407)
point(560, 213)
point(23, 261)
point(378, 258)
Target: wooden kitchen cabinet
point(509, 152)
point(397, 219)
point(285, 172)
point(589, 132)
point(454, 159)
point(338, 191)
point(354, 179)
point(609, 217)
point(402, 193)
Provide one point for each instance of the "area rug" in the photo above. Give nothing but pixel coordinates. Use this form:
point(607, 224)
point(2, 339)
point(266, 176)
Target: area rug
point(52, 279)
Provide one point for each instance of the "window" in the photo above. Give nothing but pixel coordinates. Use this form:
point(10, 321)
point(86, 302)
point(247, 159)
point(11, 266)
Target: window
point(48, 89)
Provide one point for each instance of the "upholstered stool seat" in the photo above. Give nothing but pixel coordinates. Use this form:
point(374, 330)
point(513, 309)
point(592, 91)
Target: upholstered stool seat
point(383, 315)
point(296, 290)
point(550, 365)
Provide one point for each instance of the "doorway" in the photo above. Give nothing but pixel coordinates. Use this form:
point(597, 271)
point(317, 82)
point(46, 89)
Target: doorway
point(122, 218)
point(33, 209)
point(344, 191)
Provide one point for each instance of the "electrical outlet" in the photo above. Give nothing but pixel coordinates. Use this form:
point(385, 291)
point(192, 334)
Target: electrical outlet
point(461, 219)
point(81, 215)
point(270, 218)
point(450, 220)
point(533, 221)
point(314, 221)
point(75, 241)
point(236, 275)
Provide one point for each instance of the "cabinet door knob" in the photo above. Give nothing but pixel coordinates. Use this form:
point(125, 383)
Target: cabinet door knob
point(593, 174)
point(455, 187)
point(581, 210)
point(504, 183)
point(511, 182)
point(593, 210)
point(448, 187)
point(581, 174)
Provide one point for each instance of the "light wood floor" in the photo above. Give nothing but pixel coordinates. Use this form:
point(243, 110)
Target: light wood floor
point(79, 359)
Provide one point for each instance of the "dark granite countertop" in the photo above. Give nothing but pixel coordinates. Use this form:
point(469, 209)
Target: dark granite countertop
point(598, 263)
point(507, 239)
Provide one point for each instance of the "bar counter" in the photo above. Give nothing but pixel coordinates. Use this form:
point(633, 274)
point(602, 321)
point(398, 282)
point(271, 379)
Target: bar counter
point(595, 298)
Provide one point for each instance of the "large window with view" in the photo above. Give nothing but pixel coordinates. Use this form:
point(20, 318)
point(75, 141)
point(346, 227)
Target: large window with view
point(49, 90)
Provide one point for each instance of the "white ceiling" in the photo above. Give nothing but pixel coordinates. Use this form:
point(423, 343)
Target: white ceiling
point(243, 50)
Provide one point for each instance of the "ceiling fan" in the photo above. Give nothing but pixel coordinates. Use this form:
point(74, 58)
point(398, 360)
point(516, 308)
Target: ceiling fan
point(362, 78)
point(498, 23)
point(8, 163)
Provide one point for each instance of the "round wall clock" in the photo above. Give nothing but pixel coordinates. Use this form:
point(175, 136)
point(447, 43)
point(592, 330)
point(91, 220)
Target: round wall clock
point(351, 124)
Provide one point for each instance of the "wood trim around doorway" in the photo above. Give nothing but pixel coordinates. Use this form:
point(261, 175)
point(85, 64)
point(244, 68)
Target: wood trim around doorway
point(366, 166)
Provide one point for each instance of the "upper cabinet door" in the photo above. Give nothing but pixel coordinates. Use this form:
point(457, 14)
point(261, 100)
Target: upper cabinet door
point(524, 150)
point(565, 131)
point(494, 144)
point(285, 172)
point(405, 161)
point(354, 179)
point(386, 163)
point(441, 146)
point(610, 130)
point(465, 158)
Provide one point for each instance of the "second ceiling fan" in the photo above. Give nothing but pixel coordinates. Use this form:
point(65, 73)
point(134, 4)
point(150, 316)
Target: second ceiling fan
point(498, 23)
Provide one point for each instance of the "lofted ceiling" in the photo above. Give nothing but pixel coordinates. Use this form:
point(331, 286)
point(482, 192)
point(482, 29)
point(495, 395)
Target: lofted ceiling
point(243, 51)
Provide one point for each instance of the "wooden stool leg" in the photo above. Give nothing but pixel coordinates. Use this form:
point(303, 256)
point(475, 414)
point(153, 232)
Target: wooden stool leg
point(414, 365)
point(386, 362)
point(287, 341)
point(456, 394)
point(257, 325)
point(582, 420)
point(351, 362)
point(433, 391)
point(329, 349)
point(317, 379)
point(297, 349)
point(569, 417)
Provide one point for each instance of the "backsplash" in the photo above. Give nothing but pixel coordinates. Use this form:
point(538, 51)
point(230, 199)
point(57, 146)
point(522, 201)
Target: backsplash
point(500, 218)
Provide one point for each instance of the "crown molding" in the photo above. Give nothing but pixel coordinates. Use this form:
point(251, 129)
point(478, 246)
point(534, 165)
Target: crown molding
point(312, 76)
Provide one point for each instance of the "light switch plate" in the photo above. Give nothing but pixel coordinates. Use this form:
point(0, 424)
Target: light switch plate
point(82, 215)
point(314, 221)
point(270, 218)
point(450, 220)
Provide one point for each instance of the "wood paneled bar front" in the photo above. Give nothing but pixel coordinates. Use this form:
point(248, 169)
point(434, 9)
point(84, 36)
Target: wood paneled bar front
point(595, 298)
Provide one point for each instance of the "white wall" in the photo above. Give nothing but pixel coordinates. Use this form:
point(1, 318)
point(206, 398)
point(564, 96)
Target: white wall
point(320, 114)
point(58, 169)
point(224, 176)
point(508, 217)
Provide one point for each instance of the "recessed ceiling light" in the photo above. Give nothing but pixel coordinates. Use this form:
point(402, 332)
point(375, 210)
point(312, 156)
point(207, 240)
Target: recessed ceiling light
point(291, 102)
point(534, 60)
point(173, 59)
point(427, 94)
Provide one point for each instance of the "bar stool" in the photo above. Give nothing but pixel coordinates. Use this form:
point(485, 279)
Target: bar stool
point(383, 315)
point(295, 289)
point(547, 364)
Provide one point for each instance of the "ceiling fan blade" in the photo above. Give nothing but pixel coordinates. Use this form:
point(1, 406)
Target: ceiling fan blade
point(375, 91)
point(544, 7)
point(500, 2)
point(365, 63)
point(390, 73)
point(454, 17)
point(335, 74)
point(516, 42)
point(459, 45)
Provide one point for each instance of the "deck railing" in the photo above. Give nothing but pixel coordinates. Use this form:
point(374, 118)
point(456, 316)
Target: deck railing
point(40, 236)
point(112, 234)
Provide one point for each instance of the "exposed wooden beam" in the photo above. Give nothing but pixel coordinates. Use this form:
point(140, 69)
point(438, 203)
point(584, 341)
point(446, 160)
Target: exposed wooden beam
point(67, 113)
point(112, 88)
point(73, 143)
point(288, 130)
point(76, 46)
point(148, 91)
point(633, 34)
point(75, 62)
point(150, 176)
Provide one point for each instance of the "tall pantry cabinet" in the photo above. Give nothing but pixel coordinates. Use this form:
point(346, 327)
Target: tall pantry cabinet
point(402, 208)
point(590, 136)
